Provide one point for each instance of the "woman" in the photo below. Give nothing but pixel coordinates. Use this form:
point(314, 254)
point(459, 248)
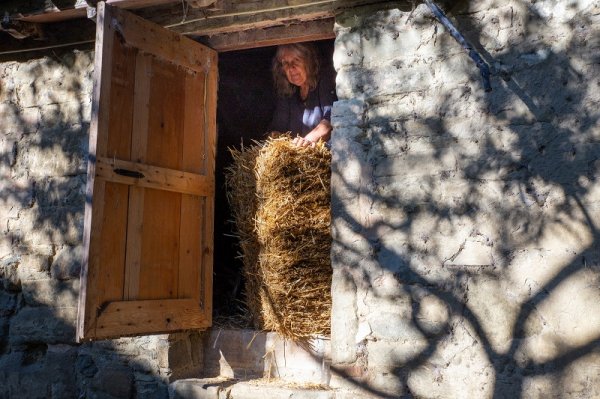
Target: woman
point(305, 97)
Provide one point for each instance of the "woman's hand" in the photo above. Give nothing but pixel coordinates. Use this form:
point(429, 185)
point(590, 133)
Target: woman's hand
point(321, 132)
point(303, 142)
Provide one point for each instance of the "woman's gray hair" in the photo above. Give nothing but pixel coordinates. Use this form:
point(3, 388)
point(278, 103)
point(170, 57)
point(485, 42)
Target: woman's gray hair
point(308, 54)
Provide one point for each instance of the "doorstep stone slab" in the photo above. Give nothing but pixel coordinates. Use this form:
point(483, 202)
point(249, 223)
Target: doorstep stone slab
point(198, 388)
point(246, 354)
point(252, 390)
point(222, 388)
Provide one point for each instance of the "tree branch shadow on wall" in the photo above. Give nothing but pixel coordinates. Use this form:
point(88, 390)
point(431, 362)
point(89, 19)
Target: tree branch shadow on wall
point(45, 106)
point(541, 155)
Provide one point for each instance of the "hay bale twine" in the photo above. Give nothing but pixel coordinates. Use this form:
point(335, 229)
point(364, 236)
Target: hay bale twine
point(289, 283)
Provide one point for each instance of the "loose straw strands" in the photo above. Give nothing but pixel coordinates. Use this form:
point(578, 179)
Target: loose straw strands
point(241, 194)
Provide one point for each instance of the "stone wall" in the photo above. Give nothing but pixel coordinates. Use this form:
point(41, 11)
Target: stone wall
point(44, 119)
point(465, 223)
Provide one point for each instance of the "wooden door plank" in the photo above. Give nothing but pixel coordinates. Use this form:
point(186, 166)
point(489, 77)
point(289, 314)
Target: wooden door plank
point(148, 37)
point(210, 145)
point(165, 119)
point(190, 234)
point(190, 239)
point(137, 317)
point(112, 240)
point(117, 139)
point(88, 296)
point(155, 177)
point(143, 73)
point(160, 245)
point(162, 214)
point(193, 123)
point(118, 144)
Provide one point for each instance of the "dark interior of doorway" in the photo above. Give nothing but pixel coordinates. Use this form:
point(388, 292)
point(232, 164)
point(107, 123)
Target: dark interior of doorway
point(246, 100)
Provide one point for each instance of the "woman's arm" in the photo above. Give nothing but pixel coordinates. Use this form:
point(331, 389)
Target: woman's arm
point(321, 132)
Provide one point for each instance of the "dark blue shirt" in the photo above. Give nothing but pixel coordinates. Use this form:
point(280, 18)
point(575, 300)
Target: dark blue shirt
point(300, 117)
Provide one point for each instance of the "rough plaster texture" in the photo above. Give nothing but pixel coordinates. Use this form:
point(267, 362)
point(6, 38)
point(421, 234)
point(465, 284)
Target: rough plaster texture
point(466, 250)
point(44, 118)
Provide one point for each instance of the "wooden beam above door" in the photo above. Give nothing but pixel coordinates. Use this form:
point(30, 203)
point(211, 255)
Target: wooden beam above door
point(226, 16)
point(273, 36)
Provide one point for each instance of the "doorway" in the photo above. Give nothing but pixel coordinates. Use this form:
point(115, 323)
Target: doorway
point(246, 100)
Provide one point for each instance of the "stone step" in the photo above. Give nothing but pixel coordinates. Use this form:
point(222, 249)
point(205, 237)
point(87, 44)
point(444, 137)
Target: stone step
point(223, 388)
point(243, 354)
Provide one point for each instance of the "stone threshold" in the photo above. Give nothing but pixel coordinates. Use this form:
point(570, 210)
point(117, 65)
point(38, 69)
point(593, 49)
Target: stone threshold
point(263, 388)
point(246, 354)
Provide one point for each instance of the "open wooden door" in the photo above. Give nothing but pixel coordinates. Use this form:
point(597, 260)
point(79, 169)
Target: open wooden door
point(150, 189)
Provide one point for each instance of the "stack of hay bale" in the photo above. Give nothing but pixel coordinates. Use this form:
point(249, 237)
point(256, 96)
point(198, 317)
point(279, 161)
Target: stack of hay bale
point(281, 205)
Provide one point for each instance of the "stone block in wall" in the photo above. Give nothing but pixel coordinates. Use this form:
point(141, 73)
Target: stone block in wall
point(385, 35)
point(397, 34)
point(60, 192)
point(394, 323)
point(344, 328)
point(580, 377)
point(114, 382)
point(14, 123)
point(41, 227)
point(431, 112)
point(348, 113)
point(148, 387)
point(59, 367)
point(413, 164)
point(31, 383)
point(51, 292)
point(349, 168)
point(9, 303)
point(58, 151)
point(348, 47)
point(45, 81)
point(390, 355)
point(86, 366)
point(73, 115)
point(455, 70)
point(6, 244)
point(457, 368)
point(8, 152)
point(494, 308)
point(182, 359)
point(472, 252)
point(383, 80)
point(9, 276)
point(4, 324)
point(560, 308)
point(33, 267)
point(43, 325)
point(350, 247)
point(66, 264)
point(141, 354)
point(16, 194)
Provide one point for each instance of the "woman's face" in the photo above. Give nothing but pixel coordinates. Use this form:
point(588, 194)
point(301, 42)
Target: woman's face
point(293, 67)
